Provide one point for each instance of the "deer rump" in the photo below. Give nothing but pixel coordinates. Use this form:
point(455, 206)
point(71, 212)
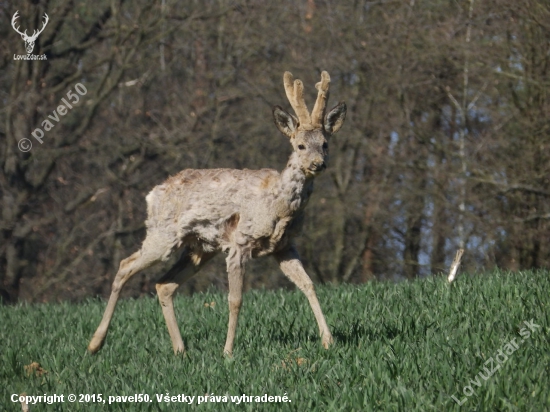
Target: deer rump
point(211, 210)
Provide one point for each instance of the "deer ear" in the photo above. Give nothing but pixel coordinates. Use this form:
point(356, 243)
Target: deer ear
point(285, 122)
point(335, 118)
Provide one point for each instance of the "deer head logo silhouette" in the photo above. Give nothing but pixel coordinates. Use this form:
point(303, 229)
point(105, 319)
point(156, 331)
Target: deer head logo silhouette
point(29, 40)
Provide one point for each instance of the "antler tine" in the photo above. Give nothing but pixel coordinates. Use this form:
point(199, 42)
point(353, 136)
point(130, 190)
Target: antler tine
point(288, 80)
point(318, 113)
point(295, 94)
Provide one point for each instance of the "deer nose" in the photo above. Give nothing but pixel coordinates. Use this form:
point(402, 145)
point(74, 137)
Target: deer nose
point(318, 166)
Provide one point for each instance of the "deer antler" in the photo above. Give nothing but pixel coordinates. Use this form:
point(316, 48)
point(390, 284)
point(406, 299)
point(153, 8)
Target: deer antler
point(318, 113)
point(295, 94)
point(15, 16)
point(35, 34)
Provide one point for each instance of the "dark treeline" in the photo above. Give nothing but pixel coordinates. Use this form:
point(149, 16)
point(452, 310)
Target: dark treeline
point(447, 140)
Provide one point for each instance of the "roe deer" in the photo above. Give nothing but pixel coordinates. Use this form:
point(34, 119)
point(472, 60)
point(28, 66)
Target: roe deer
point(244, 213)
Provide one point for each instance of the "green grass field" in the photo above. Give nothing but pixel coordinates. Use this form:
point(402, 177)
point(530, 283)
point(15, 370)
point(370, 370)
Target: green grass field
point(399, 347)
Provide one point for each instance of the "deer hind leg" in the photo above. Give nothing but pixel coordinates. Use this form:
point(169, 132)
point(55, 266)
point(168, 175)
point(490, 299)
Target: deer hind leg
point(290, 264)
point(184, 269)
point(235, 271)
point(150, 253)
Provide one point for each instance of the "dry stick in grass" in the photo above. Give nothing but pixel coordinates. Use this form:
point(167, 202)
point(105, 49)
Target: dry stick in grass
point(24, 404)
point(455, 265)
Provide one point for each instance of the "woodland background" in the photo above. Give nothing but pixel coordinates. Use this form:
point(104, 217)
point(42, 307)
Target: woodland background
point(446, 142)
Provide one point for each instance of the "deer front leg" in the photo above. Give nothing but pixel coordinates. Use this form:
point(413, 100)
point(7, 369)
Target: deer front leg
point(289, 262)
point(235, 271)
point(128, 267)
point(185, 268)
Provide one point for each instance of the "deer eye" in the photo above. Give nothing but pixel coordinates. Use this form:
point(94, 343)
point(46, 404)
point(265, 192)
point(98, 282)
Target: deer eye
point(301, 147)
point(325, 146)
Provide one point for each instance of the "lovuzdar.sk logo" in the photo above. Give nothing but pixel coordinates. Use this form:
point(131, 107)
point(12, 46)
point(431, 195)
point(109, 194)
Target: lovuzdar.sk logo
point(29, 40)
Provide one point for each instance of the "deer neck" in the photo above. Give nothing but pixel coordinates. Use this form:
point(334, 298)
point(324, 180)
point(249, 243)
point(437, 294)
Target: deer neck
point(294, 188)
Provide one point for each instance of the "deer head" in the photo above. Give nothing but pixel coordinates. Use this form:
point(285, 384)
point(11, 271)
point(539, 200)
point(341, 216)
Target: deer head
point(29, 40)
point(309, 133)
